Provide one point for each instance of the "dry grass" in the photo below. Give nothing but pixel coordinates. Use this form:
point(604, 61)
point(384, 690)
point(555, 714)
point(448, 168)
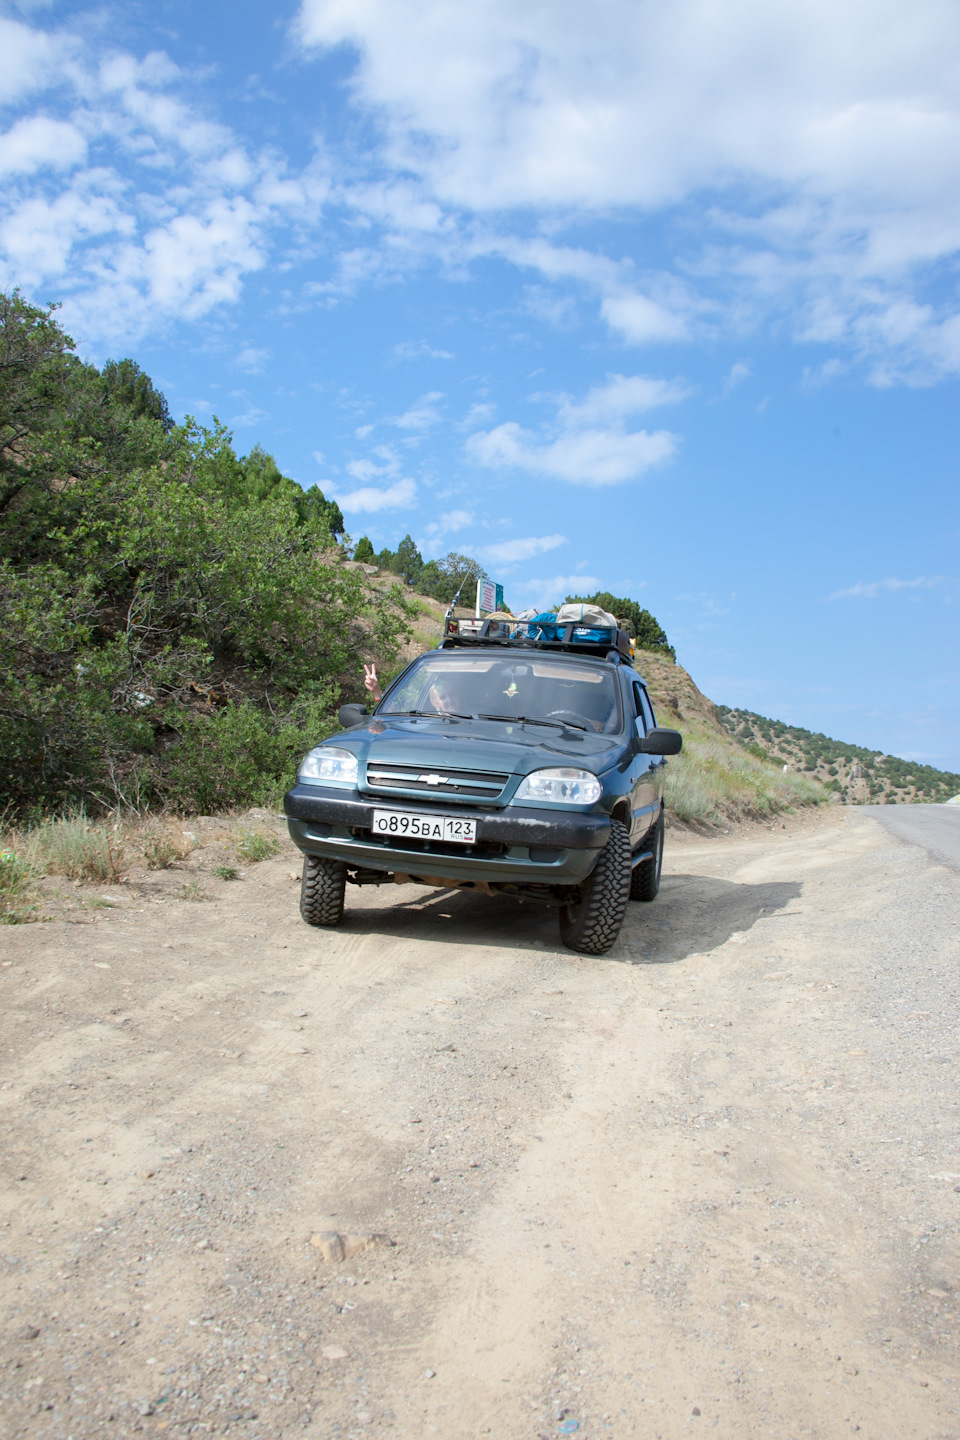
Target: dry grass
point(163, 843)
point(77, 848)
point(715, 780)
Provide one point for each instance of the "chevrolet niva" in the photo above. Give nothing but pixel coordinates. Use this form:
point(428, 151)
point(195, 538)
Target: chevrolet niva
point(502, 762)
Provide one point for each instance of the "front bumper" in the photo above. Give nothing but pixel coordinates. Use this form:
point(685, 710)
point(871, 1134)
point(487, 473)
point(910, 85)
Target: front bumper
point(517, 845)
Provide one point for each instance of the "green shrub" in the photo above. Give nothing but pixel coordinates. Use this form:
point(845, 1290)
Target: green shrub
point(18, 903)
point(192, 890)
point(255, 845)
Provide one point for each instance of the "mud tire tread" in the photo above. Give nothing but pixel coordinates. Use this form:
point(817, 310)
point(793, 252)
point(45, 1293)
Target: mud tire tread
point(592, 925)
point(646, 875)
point(321, 891)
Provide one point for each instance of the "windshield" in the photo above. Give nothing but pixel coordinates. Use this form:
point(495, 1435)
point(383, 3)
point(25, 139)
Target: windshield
point(565, 692)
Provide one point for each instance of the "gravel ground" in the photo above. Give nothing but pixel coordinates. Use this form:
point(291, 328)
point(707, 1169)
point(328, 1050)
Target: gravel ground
point(708, 1182)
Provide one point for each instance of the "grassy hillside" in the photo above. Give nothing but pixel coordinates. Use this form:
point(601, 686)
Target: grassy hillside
point(854, 775)
point(715, 779)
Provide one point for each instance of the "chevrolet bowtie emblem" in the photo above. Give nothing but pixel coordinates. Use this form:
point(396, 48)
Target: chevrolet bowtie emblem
point(435, 779)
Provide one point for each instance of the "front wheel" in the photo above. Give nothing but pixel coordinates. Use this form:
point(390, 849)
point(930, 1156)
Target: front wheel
point(646, 875)
point(321, 890)
point(592, 925)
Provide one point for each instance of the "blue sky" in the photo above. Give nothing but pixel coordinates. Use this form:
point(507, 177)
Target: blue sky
point(661, 300)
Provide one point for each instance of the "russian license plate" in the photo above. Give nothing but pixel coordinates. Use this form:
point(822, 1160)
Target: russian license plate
point(425, 827)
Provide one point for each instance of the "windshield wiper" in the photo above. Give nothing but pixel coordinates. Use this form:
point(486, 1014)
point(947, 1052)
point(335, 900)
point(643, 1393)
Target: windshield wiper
point(433, 714)
point(532, 720)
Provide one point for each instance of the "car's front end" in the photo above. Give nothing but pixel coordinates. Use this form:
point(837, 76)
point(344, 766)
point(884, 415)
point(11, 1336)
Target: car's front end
point(386, 800)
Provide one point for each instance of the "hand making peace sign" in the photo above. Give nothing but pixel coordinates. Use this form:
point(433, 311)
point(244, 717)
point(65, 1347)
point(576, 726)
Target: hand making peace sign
point(370, 680)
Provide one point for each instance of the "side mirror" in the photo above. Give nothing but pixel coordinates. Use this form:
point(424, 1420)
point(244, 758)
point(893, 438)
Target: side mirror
point(350, 715)
point(661, 741)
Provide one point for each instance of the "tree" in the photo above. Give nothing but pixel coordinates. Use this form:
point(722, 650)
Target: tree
point(409, 561)
point(646, 631)
point(364, 551)
point(312, 504)
point(133, 387)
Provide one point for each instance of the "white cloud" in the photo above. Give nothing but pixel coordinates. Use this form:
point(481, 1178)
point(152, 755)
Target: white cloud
point(448, 524)
point(552, 591)
point(892, 586)
point(368, 501)
point(423, 414)
point(585, 457)
point(384, 466)
point(29, 59)
point(478, 412)
point(38, 143)
point(173, 216)
point(640, 320)
point(739, 372)
point(509, 551)
point(621, 396)
point(589, 443)
point(420, 350)
point(250, 417)
point(253, 360)
point(822, 145)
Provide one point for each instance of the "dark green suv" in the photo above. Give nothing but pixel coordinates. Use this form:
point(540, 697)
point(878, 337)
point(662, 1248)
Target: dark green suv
point(499, 763)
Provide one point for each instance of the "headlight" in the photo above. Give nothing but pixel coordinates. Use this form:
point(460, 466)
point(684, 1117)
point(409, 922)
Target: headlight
point(327, 762)
point(562, 786)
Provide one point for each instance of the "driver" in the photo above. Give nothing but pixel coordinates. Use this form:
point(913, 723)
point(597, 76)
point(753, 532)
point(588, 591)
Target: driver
point(447, 696)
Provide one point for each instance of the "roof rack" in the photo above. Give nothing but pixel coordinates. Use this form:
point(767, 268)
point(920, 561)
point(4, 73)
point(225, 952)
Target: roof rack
point(502, 630)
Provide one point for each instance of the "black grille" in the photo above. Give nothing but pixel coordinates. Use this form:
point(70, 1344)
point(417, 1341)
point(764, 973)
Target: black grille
point(456, 784)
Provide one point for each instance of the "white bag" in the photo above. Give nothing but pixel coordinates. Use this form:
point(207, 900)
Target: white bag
point(590, 615)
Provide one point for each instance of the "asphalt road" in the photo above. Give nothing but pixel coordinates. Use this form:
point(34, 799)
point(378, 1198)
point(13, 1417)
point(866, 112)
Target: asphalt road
point(935, 828)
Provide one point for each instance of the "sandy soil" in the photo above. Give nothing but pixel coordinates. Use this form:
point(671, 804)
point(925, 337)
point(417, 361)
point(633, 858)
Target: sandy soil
point(707, 1183)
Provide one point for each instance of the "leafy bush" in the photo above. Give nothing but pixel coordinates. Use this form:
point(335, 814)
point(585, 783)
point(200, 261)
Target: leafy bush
point(17, 900)
point(255, 845)
point(176, 625)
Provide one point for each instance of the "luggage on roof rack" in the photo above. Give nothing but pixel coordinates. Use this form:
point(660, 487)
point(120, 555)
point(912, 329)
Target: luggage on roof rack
point(544, 631)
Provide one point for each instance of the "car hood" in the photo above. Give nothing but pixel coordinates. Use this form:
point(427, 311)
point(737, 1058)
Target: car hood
point(476, 744)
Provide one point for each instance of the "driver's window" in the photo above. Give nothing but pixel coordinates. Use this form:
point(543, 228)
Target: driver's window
point(648, 715)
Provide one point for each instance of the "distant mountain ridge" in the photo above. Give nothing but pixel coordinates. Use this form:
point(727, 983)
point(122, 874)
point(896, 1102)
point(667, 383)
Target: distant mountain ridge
point(857, 776)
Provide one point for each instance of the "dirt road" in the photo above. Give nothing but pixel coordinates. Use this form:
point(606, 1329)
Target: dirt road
point(709, 1183)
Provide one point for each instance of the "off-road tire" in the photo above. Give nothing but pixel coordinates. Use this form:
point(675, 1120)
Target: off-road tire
point(592, 925)
point(321, 890)
point(646, 875)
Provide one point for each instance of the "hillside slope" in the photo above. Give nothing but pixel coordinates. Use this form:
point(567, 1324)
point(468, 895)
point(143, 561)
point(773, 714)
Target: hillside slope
point(856, 776)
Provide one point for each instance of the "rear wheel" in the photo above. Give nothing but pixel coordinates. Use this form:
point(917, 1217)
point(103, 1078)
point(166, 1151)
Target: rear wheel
point(594, 922)
point(321, 890)
point(646, 875)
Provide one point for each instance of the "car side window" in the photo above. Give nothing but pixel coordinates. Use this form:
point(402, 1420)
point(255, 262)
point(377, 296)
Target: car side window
point(639, 707)
point(649, 718)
